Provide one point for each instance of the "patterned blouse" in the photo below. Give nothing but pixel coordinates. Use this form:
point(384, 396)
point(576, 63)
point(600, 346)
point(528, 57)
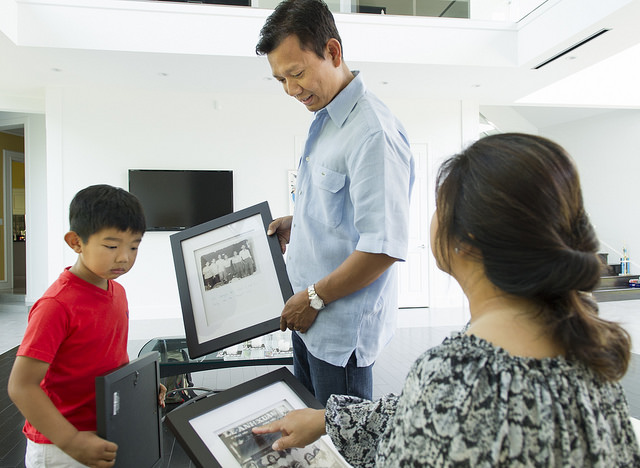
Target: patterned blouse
point(468, 403)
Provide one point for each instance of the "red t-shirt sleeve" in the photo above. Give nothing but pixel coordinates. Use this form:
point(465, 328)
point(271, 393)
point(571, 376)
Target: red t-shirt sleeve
point(47, 327)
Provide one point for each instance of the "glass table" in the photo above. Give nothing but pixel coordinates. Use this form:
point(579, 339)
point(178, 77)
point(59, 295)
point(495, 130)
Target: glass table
point(272, 349)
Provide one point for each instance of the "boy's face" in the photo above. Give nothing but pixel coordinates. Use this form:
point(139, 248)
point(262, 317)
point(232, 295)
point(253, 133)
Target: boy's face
point(107, 254)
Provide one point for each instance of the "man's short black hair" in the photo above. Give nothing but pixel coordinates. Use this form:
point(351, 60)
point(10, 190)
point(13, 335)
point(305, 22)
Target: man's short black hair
point(100, 207)
point(310, 20)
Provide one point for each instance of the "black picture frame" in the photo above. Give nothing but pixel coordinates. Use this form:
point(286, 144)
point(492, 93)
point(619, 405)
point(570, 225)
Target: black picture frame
point(215, 432)
point(128, 414)
point(229, 307)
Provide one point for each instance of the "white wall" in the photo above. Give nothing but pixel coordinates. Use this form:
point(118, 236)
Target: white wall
point(96, 135)
point(605, 148)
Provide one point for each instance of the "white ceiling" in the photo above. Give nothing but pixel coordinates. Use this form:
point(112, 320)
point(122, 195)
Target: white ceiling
point(602, 74)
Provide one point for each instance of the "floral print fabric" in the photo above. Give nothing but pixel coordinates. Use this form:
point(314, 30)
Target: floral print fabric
point(468, 403)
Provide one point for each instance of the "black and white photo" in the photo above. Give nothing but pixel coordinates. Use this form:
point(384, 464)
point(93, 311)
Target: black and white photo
point(232, 280)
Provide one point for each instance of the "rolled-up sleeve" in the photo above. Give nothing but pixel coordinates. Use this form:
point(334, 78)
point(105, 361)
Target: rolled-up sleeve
point(381, 178)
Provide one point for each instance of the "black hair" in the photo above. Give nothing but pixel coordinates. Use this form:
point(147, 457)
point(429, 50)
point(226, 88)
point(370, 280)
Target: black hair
point(310, 20)
point(99, 207)
point(516, 200)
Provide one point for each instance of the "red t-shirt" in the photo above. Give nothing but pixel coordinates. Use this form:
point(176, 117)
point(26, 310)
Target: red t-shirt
point(81, 330)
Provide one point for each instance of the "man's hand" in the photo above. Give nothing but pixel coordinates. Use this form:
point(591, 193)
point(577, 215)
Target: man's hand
point(297, 314)
point(282, 228)
point(91, 450)
point(299, 428)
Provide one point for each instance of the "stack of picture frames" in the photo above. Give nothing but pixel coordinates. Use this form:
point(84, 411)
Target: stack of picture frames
point(216, 432)
point(233, 286)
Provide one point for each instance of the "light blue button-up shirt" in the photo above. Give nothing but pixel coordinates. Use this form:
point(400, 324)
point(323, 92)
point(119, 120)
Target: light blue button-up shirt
point(353, 187)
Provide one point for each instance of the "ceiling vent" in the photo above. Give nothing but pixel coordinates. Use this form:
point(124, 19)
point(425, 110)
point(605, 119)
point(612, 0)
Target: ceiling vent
point(573, 47)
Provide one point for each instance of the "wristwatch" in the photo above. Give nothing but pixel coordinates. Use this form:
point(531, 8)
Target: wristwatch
point(315, 301)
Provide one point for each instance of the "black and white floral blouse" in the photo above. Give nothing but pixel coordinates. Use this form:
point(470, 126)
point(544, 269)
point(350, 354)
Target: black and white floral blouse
point(467, 403)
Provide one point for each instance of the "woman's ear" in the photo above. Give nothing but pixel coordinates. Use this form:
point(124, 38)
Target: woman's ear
point(74, 241)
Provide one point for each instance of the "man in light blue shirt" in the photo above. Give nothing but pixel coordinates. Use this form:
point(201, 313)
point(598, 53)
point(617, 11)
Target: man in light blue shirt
point(351, 218)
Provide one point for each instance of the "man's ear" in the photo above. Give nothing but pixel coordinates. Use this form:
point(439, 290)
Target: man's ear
point(73, 240)
point(335, 51)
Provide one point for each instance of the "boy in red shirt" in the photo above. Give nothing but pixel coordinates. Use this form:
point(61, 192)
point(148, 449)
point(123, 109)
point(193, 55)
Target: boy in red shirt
point(77, 331)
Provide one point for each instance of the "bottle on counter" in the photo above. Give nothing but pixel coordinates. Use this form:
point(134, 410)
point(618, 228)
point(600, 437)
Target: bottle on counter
point(624, 262)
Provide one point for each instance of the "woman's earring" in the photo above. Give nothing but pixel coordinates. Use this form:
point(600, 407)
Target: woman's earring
point(456, 250)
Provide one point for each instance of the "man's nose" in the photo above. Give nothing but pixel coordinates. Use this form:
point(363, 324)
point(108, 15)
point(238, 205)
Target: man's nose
point(292, 88)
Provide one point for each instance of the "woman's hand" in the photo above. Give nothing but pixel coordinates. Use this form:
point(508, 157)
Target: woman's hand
point(299, 428)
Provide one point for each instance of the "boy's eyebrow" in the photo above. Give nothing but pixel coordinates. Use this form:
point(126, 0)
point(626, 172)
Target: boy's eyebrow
point(119, 239)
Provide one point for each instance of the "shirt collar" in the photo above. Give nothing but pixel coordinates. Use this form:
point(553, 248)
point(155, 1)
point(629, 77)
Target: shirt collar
point(344, 102)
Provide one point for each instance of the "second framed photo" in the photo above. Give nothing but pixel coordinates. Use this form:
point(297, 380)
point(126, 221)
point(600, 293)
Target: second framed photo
point(232, 280)
point(217, 431)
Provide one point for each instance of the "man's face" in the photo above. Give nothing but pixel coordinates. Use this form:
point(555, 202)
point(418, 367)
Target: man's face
point(305, 76)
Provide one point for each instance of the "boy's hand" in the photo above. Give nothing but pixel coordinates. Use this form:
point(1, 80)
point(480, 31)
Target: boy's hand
point(91, 450)
point(162, 393)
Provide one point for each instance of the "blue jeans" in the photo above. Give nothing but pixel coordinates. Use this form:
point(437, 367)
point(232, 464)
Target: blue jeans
point(324, 379)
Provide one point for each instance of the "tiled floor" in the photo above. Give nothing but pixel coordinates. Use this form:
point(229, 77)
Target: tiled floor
point(418, 329)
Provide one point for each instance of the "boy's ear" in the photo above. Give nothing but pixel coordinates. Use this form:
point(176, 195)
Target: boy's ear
point(73, 240)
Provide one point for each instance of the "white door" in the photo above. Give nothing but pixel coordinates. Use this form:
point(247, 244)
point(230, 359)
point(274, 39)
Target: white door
point(413, 287)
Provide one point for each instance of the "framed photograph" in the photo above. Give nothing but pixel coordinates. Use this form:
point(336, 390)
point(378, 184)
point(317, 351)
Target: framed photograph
point(217, 431)
point(232, 280)
point(128, 414)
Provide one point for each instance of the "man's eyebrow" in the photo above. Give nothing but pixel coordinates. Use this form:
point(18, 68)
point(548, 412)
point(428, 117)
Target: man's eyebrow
point(289, 71)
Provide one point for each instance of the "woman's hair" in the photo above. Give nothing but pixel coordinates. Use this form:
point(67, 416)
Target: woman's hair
point(516, 200)
point(310, 20)
point(99, 207)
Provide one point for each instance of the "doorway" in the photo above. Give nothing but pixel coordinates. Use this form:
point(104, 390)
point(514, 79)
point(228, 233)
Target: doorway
point(13, 221)
point(413, 284)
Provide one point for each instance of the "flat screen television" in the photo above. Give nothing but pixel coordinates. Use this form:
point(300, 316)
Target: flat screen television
point(174, 200)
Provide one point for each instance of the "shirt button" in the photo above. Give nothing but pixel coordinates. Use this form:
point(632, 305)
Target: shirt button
point(307, 158)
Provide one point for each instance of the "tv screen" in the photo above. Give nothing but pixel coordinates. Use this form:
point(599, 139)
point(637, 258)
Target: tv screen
point(174, 200)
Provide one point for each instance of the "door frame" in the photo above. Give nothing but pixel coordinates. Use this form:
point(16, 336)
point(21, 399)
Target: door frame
point(7, 215)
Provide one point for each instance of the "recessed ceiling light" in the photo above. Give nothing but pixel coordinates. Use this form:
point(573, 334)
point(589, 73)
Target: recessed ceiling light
point(57, 70)
point(163, 74)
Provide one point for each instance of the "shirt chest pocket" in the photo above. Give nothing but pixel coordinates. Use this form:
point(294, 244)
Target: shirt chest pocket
point(326, 201)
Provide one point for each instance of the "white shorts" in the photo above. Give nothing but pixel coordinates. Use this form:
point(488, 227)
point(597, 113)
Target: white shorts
point(48, 456)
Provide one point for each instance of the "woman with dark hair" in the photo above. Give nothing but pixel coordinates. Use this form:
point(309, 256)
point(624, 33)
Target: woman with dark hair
point(533, 380)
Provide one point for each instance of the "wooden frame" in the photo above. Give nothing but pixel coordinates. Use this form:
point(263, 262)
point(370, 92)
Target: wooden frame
point(127, 411)
point(224, 306)
point(216, 431)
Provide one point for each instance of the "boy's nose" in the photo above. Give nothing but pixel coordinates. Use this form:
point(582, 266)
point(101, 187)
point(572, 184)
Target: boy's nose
point(123, 257)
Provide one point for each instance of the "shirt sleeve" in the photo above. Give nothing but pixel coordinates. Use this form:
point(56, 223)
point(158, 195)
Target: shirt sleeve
point(356, 426)
point(46, 329)
point(381, 173)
